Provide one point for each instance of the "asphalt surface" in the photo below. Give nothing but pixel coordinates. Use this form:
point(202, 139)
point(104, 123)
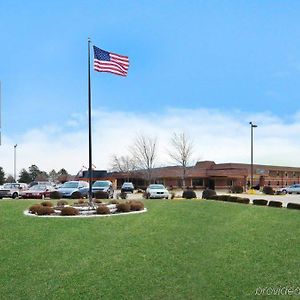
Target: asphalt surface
point(285, 199)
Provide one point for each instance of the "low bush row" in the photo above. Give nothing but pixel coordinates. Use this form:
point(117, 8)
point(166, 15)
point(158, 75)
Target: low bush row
point(229, 198)
point(261, 202)
point(46, 208)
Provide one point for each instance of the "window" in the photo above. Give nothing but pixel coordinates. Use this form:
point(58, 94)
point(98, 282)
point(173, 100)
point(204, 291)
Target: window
point(197, 182)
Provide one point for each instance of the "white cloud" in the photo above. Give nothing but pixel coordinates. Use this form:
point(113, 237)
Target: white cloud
point(219, 136)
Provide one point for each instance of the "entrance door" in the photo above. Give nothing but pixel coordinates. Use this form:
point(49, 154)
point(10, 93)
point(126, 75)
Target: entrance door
point(211, 184)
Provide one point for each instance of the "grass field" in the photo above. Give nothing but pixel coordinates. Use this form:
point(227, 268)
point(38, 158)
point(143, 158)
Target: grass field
point(181, 249)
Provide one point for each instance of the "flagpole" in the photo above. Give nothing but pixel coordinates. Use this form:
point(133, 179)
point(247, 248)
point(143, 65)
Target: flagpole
point(90, 123)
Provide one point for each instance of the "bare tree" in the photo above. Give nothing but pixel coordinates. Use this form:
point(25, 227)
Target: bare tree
point(145, 151)
point(124, 164)
point(181, 153)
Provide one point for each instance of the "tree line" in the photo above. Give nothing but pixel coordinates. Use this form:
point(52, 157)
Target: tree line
point(33, 173)
point(142, 155)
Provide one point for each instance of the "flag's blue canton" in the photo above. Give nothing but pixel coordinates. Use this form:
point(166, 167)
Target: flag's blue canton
point(101, 54)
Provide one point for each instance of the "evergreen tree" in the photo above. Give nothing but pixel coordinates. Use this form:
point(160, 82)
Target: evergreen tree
point(2, 176)
point(62, 175)
point(24, 176)
point(34, 171)
point(53, 175)
point(10, 179)
point(42, 176)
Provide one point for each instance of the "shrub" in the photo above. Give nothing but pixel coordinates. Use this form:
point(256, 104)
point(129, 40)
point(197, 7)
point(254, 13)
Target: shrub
point(69, 211)
point(293, 206)
point(224, 197)
point(101, 195)
point(123, 207)
point(268, 190)
point(145, 195)
point(44, 210)
point(243, 200)
point(215, 197)
point(55, 195)
point(260, 202)
point(136, 205)
point(275, 203)
point(237, 189)
point(207, 193)
point(102, 210)
point(189, 194)
point(33, 209)
point(122, 195)
point(76, 195)
point(231, 199)
point(62, 203)
point(47, 203)
point(113, 201)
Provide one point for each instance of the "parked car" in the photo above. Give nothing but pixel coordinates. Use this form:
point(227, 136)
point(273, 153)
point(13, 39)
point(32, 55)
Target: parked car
point(70, 187)
point(12, 190)
point(294, 188)
point(41, 183)
point(157, 191)
point(103, 186)
point(38, 191)
point(127, 187)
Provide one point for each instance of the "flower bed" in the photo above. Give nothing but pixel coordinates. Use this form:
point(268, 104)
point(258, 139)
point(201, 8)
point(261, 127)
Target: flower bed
point(98, 210)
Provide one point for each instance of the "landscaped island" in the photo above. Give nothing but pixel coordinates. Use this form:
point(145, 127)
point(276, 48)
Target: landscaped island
point(83, 208)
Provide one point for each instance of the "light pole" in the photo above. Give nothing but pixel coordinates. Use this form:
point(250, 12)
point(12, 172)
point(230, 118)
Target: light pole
point(251, 179)
point(15, 162)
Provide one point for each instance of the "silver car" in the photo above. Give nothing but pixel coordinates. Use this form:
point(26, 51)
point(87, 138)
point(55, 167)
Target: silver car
point(294, 188)
point(157, 191)
point(12, 190)
point(104, 186)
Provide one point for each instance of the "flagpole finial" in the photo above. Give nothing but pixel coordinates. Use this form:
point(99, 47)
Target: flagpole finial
point(89, 39)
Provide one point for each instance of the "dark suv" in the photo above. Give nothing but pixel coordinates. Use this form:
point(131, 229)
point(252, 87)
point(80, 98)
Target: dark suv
point(127, 187)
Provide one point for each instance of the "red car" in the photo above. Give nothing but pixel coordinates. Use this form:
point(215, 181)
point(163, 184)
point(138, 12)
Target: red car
point(37, 191)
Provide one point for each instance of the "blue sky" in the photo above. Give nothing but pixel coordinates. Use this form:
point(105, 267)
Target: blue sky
point(227, 56)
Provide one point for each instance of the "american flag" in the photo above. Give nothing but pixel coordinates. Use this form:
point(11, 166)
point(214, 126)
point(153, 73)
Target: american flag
point(110, 62)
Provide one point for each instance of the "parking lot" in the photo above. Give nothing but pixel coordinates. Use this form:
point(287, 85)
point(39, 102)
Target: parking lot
point(285, 199)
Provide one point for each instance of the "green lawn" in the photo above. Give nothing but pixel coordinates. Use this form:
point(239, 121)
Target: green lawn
point(179, 249)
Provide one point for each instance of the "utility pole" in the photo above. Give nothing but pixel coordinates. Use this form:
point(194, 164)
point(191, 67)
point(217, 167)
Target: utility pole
point(251, 179)
point(15, 162)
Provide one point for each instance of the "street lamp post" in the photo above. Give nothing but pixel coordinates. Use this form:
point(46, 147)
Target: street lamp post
point(15, 162)
point(251, 179)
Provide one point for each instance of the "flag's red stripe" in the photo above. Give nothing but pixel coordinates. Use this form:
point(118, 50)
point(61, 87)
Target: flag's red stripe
point(110, 63)
point(119, 59)
point(125, 68)
point(121, 64)
point(111, 72)
point(109, 69)
point(124, 61)
point(119, 55)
